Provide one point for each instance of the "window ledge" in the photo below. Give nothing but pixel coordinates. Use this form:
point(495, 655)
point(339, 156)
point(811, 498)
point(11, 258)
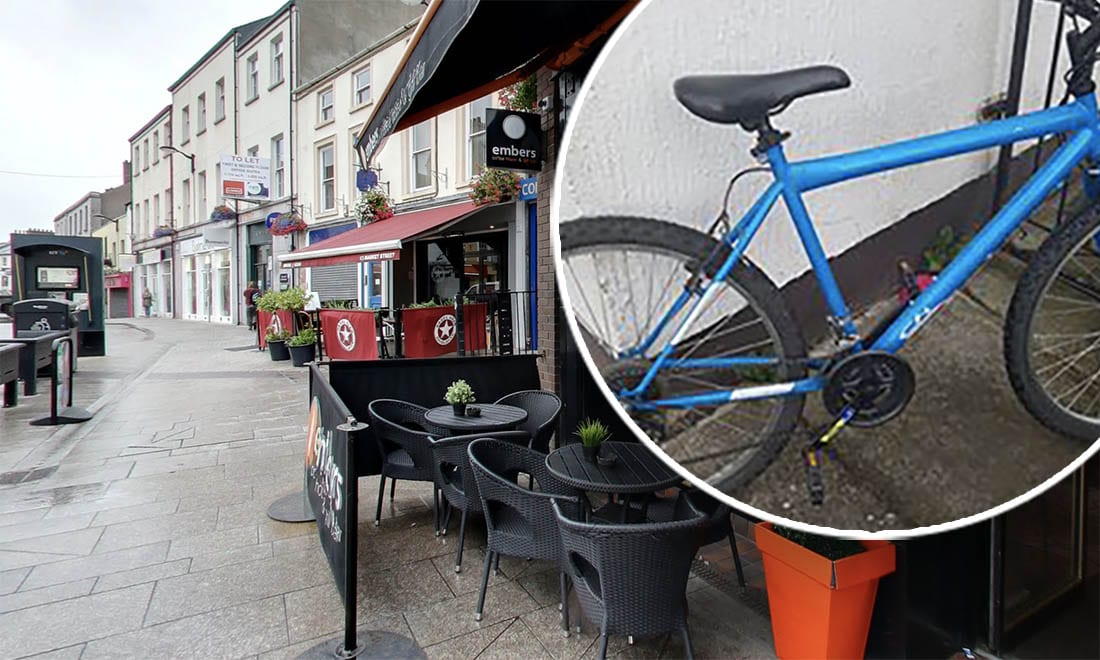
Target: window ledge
point(200, 132)
point(276, 84)
point(330, 213)
point(365, 104)
point(218, 120)
point(417, 195)
point(325, 123)
point(186, 141)
point(252, 100)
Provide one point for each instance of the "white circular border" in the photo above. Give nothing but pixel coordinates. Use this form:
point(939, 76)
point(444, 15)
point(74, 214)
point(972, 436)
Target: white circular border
point(888, 535)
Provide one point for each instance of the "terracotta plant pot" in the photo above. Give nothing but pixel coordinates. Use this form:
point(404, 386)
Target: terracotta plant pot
point(820, 608)
point(278, 350)
point(460, 409)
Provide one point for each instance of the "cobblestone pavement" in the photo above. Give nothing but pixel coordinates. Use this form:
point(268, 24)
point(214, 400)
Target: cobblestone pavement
point(144, 531)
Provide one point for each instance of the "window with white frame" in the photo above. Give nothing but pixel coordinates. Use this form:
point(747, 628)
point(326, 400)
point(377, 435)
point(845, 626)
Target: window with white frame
point(420, 147)
point(278, 167)
point(186, 202)
point(277, 60)
point(185, 128)
point(145, 154)
point(475, 135)
point(201, 193)
point(253, 77)
point(361, 86)
point(219, 100)
point(201, 113)
point(326, 160)
point(168, 210)
point(142, 229)
point(156, 147)
point(137, 160)
point(324, 104)
point(156, 209)
point(145, 209)
point(253, 151)
point(168, 132)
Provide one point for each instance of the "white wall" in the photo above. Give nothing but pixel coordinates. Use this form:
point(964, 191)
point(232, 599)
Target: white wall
point(917, 66)
point(269, 114)
point(149, 184)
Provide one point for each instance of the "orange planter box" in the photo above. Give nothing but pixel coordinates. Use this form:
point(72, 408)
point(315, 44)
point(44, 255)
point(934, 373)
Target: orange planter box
point(820, 608)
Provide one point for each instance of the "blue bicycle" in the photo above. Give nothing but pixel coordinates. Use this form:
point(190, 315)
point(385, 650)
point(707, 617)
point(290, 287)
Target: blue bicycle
point(702, 351)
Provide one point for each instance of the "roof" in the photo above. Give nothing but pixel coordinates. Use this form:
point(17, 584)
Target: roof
point(250, 29)
point(167, 109)
point(357, 58)
point(380, 240)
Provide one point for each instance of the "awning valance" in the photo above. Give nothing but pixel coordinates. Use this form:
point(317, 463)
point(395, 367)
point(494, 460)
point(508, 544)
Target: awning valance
point(464, 49)
point(378, 241)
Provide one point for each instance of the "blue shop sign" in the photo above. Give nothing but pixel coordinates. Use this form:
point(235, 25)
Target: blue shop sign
point(529, 188)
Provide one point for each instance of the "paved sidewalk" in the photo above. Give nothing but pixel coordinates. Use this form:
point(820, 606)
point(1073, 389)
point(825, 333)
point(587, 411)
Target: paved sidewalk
point(144, 532)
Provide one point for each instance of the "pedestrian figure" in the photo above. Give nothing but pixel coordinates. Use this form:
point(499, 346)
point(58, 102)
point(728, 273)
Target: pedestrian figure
point(251, 295)
point(147, 301)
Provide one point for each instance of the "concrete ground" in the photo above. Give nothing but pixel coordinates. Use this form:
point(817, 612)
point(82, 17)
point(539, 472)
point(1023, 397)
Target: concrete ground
point(144, 532)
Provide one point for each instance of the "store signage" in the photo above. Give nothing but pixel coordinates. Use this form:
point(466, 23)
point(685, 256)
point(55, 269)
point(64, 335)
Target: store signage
point(246, 177)
point(366, 179)
point(529, 189)
point(271, 218)
point(513, 140)
point(388, 255)
point(327, 481)
point(349, 334)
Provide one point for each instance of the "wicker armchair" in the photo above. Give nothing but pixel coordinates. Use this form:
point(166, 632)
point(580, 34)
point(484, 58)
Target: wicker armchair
point(718, 527)
point(543, 409)
point(520, 521)
point(454, 478)
point(631, 579)
point(404, 441)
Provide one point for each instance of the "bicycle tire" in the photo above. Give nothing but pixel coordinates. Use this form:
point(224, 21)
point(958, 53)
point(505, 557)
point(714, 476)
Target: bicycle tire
point(1030, 289)
point(749, 282)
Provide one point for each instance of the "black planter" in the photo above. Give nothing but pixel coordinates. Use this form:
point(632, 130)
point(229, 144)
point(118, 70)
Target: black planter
point(590, 453)
point(278, 350)
point(460, 409)
point(299, 355)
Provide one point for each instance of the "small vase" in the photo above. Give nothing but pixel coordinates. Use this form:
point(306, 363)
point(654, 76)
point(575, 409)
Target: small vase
point(590, 453)
point(460, 409)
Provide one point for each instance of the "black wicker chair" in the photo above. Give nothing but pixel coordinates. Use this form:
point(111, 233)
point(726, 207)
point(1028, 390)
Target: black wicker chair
point(454, 478)
point(404, 441)
point(543, 409)
point(631, 579)
point(520, 521)
point(719, 525)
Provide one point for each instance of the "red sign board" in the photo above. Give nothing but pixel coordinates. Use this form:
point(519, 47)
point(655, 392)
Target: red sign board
point(431, 331)
point(280, 321)
point(349, 334)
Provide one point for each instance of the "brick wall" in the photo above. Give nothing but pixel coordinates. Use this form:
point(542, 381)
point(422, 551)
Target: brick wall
point(549, 344)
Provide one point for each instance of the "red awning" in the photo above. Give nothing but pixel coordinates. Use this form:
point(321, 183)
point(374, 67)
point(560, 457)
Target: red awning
point(378, 241)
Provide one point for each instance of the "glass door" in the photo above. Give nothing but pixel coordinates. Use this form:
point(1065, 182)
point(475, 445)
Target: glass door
point(374, 284)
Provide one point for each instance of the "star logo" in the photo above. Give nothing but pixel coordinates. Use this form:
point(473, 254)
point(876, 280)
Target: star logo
point(345, 334)
point(445, 329)
point(276, 324)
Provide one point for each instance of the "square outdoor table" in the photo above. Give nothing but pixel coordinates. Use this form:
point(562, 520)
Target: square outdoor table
point(637, 471)
point(494, 417)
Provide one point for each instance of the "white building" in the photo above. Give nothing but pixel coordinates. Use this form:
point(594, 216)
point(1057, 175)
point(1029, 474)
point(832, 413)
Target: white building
point(79, 219)
point(5, 269)
point(152, 218)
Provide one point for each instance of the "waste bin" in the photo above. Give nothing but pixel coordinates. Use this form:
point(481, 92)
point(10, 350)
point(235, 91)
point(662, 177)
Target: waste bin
point(39, 316)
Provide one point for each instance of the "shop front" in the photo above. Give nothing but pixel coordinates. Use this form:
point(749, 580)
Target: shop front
point(119, 303)
point(153, 272)
point(342, 282)
point(207, 279)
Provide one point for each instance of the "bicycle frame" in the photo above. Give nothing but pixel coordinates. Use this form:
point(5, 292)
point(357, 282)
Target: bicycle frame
point(791, 179)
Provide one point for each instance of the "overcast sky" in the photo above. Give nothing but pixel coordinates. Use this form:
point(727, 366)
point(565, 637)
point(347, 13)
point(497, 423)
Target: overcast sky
point(79, 77)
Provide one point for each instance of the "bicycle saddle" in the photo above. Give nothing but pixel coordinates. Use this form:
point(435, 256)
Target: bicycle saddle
point(748, 99)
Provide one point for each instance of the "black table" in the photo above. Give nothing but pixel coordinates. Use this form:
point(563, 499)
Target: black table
point(9, 372)
point(637, 471)
point(494, 417)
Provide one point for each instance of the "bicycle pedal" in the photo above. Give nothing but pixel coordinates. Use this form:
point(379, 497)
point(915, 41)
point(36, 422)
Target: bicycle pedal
point(815, 483)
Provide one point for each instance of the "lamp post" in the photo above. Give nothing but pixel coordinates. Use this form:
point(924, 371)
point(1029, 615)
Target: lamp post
point(191, 158)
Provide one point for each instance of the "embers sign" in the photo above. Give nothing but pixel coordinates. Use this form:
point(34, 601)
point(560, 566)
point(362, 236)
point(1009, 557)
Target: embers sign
point(513, 140)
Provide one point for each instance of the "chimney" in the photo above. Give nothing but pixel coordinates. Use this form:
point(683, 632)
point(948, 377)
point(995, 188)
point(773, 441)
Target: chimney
point(125, 172)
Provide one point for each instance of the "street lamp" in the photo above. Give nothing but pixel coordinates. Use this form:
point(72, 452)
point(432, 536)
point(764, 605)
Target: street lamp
point(190, 157)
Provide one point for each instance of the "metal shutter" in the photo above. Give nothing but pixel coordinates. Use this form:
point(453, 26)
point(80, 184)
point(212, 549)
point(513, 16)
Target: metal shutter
point(340, 282)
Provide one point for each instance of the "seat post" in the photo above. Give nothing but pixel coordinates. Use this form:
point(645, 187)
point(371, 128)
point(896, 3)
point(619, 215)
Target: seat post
point(767, 136)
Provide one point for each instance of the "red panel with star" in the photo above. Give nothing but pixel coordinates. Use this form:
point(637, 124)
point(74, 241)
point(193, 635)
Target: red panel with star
point(349, 334)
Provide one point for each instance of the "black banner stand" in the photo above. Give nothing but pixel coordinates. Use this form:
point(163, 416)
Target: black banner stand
point(61, 387)
point(292, 508)
point(357, 643)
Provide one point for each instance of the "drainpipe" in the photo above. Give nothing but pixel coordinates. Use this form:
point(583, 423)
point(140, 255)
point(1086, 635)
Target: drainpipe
point(291, 147)
point(1012, 101)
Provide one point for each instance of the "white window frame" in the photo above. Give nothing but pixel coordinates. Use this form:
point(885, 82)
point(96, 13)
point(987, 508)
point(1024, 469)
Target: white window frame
point(145, 154)
point(278, 166)
point(156, 208)
point(414, 152)
point(356, 89)
point(186, 202)
point(219, 100)
point(253, 151)
point(156, 147)
point(253, 77)
point(136, 168)
point(277, 60)
point(200, 182)
point(321, 107)
point(470, 135)
point(201, 107)
point(185, 120)
point(330, 147)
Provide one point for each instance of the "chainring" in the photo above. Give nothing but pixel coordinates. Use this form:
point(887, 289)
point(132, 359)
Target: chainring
point(628, 374)
point(878, 385)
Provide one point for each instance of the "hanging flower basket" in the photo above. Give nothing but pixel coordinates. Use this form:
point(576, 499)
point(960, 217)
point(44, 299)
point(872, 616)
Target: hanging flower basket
point(373, 206)
point(494, 185)
point(223, 212)
point(162, 231)
point(287, 223)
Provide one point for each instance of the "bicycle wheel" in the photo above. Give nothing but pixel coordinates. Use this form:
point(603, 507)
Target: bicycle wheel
point(1052, 330)
point(622, 274)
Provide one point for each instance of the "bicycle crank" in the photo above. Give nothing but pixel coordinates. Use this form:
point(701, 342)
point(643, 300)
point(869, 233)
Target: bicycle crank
point(874, 384)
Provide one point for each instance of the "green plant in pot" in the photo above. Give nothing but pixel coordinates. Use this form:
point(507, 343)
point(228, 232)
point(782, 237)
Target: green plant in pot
point(592, 433)
point(303, 347)
point(276, 345)
point(458, 395)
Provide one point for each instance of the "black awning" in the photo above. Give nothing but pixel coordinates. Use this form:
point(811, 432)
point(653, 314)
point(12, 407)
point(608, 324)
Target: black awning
point(464, 49)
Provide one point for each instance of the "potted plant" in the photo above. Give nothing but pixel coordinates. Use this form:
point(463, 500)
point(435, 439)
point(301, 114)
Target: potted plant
point(521, 96)
point(276, 345)
point(223, 212)
point(458, 395)
point(287, 223)
point(372, 206)
point(821, 590)
point(162, 231)
point(494, 185)
point(303, 347)
point(592, 433)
